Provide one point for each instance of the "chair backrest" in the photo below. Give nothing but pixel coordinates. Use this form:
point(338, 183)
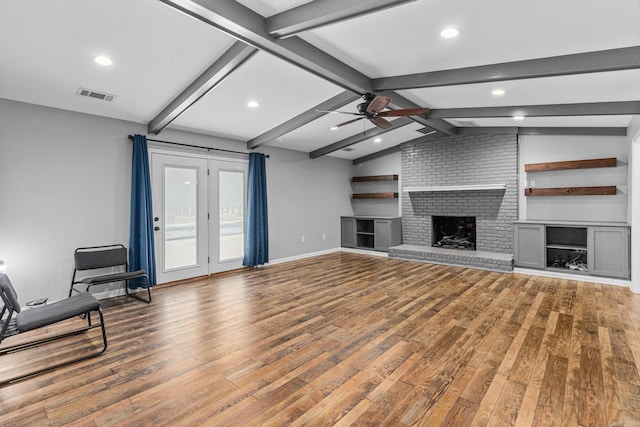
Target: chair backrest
point(100, 257)
point(8, 294)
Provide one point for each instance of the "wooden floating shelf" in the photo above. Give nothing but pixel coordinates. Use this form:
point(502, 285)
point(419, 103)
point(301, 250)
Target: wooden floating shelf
point(375, 195)
point(374, 178)
point(571, 191)
point(573, 164)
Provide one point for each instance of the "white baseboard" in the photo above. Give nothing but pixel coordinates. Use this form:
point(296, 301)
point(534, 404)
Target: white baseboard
point(328, 251)
point(116, 293)
point(366, 252)
point(302, 256)
point(569, 276)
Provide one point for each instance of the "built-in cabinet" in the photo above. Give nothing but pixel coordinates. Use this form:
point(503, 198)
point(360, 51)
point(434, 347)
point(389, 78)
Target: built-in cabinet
point(612, 255)
point(528, 247)
point(377, 233)
point(598, 249)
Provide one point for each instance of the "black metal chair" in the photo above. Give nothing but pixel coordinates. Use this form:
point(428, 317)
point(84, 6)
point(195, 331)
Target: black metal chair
point(14, 321)
point(91, 262)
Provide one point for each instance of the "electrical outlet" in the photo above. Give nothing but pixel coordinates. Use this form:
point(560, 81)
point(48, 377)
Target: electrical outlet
point(533, 184)
point(302, 239)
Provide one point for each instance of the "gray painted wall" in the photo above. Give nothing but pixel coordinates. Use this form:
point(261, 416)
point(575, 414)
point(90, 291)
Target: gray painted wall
point(387, 165)
point(539, 149)
point(307, 197)
point(65, 183)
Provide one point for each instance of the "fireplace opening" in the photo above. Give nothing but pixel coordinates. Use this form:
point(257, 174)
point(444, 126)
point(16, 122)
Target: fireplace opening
point(454, 232)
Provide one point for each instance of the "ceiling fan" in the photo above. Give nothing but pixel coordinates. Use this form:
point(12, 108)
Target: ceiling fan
point(372, 109)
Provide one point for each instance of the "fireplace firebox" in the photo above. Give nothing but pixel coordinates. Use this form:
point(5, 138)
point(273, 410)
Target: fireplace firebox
point(454, 232)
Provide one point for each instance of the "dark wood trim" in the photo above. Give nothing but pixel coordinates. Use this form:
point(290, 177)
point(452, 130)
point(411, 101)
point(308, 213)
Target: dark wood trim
point(573, 164)
point(373, 178)
point(572, 191)
point(375, 195)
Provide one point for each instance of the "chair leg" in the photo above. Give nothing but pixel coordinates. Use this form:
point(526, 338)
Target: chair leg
point(135, 294)
point(47, 340)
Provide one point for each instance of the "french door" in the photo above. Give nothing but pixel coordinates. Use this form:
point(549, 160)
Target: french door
point(227, 195)
point(199, 215)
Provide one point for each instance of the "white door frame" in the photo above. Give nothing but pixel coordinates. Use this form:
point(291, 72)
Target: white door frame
point(209, 252)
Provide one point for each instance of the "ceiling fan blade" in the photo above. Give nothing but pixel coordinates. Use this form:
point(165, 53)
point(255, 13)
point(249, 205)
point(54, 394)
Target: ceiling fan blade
point(378, 104)
point(347, 122)
point(404, 112)
point(381, 123)
point(339, 112)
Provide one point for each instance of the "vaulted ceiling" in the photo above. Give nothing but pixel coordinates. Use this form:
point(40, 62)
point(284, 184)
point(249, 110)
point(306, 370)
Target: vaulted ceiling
point(567, 67)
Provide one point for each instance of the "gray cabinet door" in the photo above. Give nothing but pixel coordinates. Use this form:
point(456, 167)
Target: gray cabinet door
point(348, 232)
point(382, 234)
point(608, 251)
point(529, 250)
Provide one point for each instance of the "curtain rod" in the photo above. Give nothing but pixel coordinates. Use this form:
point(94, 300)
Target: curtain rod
point(195, 146)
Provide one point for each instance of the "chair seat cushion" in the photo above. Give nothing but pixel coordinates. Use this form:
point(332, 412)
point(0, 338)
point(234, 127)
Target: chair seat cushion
point(67, 308)
point(113, 277)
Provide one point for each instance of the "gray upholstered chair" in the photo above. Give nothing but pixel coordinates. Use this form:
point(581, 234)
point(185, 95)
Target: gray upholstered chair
point(91, 263)
point(14, 320)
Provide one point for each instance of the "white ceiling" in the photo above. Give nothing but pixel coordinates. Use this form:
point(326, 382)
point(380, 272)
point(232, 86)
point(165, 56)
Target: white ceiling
point(48, 49)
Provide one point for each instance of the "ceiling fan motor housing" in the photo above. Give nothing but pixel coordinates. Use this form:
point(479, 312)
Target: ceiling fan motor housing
point(362, 107)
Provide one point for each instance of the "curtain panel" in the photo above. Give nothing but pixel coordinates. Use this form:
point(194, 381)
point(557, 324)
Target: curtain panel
point(141, 244)
point(257, 238)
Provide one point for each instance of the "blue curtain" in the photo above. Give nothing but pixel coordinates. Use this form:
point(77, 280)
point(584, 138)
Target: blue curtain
point(141, 248)
point(256, 248)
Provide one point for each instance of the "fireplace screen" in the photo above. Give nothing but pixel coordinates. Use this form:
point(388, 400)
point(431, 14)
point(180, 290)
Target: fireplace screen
point(454, 232)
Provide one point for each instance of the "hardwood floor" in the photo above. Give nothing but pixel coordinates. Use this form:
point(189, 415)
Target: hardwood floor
point(348, 339)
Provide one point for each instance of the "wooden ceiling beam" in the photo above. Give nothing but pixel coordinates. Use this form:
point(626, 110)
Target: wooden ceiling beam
point(582, 109)
point(627, 58)
point(302, 119)
point(231, 60)
point(317, 14)
point(242, 23)
point(347, 142)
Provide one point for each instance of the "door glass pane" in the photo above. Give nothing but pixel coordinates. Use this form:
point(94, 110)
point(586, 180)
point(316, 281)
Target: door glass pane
point(231, 205)
point(181, 214)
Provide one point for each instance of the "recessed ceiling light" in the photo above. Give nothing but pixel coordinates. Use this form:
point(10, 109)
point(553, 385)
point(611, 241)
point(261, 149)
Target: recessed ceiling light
point(252, 104)
point(103, 60)
point(497, 92)
point(518, 117)
point(448, 33)
point(333, 128)
point(377, 140)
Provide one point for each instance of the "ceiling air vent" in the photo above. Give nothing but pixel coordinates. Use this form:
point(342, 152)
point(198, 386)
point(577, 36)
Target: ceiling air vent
point(426, 130)
point(466, 123)
point(348, 149)
point(95, 94)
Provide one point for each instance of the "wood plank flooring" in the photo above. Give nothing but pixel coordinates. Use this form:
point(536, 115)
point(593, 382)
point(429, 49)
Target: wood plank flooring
point(348, 339)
